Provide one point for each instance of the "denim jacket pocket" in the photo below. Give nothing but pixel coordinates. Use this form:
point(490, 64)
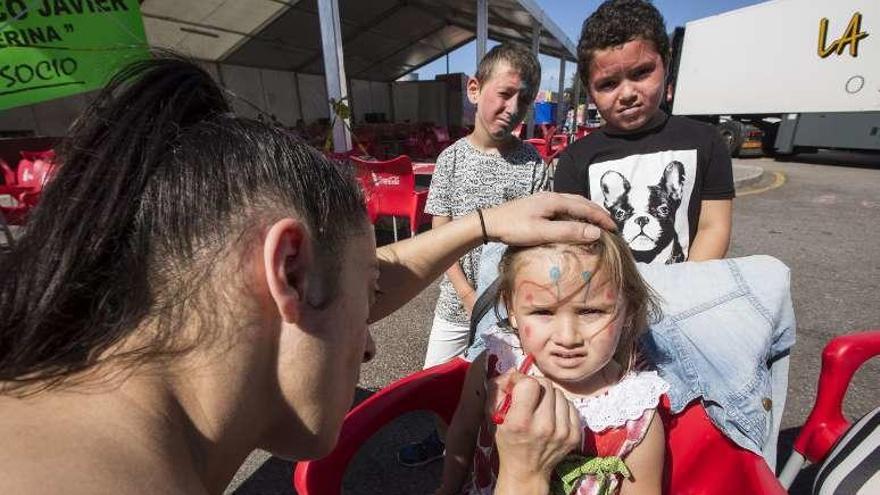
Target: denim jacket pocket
point(727, 342)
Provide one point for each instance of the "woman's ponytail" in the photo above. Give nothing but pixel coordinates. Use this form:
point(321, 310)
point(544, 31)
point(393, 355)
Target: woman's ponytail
point(77, 282)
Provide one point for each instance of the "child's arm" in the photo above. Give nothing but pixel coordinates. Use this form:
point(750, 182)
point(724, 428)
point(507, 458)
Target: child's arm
point(645, 462)
point(461, 438)
point(456, 275)
point(713, 230)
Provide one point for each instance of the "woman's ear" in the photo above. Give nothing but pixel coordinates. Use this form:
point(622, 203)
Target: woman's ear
point(287, 258)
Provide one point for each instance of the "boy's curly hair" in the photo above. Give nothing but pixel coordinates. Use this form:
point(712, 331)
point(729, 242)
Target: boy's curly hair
point(614, 23)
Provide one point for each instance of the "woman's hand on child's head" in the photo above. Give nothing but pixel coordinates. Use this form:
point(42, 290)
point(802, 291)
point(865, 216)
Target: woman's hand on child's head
point(533, 220)
point(539, 430)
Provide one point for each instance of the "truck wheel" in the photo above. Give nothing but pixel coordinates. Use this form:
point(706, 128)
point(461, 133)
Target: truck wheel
point(732, 133)
point(768, 142)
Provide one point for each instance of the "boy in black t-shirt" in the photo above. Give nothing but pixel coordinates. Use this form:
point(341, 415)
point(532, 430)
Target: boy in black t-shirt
point(666, 180)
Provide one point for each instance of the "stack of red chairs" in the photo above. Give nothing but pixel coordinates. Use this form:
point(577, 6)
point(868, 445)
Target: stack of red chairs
point(25, 186)
point(427, 142)
point(550, 144)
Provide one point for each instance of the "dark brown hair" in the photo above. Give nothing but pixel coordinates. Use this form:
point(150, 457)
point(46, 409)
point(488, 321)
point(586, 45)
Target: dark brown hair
point(519, 59)
point(158, 183)
point(616, 22)
point(640, 302)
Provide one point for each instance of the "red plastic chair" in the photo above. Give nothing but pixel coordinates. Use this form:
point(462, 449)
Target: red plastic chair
point(841, 358)
point(583, 131)
point(548, 130)
point(540, 144)
point(558, 142)
point(34, 170)
point(699, 460)
point(394, 191)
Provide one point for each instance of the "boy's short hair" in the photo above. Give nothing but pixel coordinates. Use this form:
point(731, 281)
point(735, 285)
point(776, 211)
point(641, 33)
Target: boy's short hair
point(519, 58)
point(616, 22)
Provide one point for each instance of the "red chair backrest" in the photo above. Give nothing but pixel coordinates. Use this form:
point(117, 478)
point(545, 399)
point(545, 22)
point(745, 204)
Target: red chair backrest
point(582, 131)
point(35, 168)
point(435, 389)
point(699, 458)
point(394, 176)
point(547, 130)
point(841, 358)
point(541, 145)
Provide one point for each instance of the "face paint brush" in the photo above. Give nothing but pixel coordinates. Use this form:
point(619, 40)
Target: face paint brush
point(501, 412)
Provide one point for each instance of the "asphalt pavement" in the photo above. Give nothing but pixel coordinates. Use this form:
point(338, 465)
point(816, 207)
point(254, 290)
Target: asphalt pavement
point(816, 213)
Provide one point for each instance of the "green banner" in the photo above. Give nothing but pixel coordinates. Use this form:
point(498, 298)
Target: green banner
point(55, 48)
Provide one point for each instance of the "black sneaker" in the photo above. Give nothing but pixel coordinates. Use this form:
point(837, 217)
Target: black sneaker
point(429, 449)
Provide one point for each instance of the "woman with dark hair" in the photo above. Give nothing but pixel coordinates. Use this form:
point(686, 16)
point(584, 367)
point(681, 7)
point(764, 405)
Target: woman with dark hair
point(195, 285)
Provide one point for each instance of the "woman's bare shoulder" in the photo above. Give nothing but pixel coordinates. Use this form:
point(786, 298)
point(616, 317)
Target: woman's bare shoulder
point(68, 453)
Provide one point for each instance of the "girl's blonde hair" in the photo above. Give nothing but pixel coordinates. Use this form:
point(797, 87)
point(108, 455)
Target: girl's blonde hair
point(640, 303)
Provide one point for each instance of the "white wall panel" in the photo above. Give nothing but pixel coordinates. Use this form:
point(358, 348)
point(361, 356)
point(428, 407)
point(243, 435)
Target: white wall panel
point(313, 93)
point(245, 83)
point(361, 99)
point(380, 97)
point(279, 91)
point(55, 117)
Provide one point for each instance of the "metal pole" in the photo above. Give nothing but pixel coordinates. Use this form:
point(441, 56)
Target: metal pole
point(334, 69)
point(560, 111)
point(576, 97)
point(536, 42)
point(482, 29)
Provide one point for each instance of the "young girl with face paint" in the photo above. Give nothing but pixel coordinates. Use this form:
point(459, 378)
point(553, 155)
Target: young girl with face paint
point(576, 313)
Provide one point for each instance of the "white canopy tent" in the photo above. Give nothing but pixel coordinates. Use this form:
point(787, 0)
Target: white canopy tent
point(344, 40)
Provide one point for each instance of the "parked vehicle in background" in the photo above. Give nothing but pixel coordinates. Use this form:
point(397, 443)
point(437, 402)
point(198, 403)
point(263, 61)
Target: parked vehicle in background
point(783, 76)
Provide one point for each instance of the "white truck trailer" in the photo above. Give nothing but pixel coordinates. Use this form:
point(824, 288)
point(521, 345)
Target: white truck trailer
point(785, 75)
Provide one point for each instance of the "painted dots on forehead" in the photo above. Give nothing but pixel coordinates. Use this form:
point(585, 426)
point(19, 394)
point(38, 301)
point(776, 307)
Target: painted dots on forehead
point(552, 269)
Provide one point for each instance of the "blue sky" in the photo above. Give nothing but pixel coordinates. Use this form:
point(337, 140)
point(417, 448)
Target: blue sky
point(569, 15)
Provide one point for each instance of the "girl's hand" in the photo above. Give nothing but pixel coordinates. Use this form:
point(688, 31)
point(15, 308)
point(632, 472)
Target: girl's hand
point(529, 221)
point(539, 430)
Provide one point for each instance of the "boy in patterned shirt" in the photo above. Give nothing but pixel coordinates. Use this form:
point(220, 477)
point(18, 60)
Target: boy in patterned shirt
point(484, 169)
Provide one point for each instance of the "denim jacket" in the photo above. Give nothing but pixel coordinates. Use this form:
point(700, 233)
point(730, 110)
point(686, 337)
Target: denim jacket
point(724, 336)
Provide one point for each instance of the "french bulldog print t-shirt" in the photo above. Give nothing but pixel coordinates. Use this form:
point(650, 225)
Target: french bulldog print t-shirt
point(651, 181)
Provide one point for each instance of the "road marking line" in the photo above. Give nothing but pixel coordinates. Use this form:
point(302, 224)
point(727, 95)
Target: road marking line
point(778, 181)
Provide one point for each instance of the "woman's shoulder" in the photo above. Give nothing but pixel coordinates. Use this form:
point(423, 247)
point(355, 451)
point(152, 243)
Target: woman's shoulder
point(80, 452)
point(637, 393)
